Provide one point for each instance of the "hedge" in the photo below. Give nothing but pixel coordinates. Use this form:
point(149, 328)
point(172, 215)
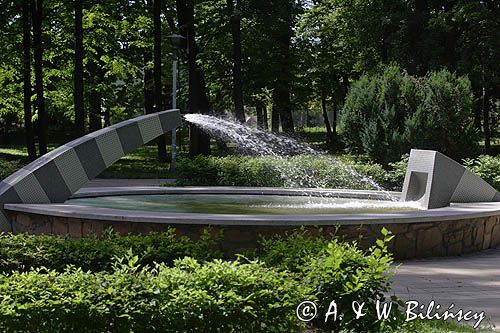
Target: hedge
point(22, 252)
point(296, 171)
point(218, 296)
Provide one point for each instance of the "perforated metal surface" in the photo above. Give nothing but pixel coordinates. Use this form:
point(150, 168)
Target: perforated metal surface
point(447, 181)
point(71, 170)
point(29, 190)
point(150, 128)
point(110, 147)
point(471, 189)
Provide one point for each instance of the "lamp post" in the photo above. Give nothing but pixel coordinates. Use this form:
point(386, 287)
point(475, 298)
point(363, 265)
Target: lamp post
point(176, 41)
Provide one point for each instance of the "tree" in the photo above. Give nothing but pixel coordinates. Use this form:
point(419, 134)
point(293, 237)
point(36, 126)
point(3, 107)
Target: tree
point(198, 100)
point(37, 15)
point(235, 22)
point(28, 126)
point(78, 71)
point(162, 150)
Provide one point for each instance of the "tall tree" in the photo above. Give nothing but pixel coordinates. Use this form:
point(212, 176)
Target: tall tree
point(28, 126)
point(235, 22)
point(78, 71)
point(162, 150)
point(282, 36)
point(198, 100)
point(95, 96)
point(37, 15)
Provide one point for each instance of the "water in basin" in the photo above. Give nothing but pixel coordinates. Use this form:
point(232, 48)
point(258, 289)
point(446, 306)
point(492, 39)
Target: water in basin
point(245, 204)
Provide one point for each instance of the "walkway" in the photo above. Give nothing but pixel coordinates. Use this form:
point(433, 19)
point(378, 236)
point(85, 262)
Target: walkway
point(471, 282)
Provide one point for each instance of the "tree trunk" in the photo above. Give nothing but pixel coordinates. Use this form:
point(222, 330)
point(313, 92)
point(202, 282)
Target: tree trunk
point(486, 121)
point(283, 106)
point(275, 120)
point(417, 41)
point(346, 85)
point(162, 150)
point(235, 22)
point(281, 93)
point(78, 74)
point(37, 14)
point(94, 97)
point(28, 126)
point(264, 115)
point(329, 135)
point(199, 141)
point(334, 119)
point(260, 116)
point(149, 94)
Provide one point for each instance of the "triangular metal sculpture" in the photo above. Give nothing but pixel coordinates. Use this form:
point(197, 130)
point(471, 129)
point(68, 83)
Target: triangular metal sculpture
point(435, 180)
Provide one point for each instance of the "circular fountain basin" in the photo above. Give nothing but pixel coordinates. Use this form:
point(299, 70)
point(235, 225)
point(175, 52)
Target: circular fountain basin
point(253, 204)
point(246, 214)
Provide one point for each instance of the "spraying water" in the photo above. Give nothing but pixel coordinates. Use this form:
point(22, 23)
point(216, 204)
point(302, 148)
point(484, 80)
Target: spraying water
point(261, 143)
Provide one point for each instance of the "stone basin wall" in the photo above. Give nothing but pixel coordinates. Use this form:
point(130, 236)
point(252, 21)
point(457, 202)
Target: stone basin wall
point(412, 240)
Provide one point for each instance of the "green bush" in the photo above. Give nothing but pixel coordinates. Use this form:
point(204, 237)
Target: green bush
point(345, 273)
point(486, 167)
point(22, 252)
point(339, 271)
point(8, 167)
point(219, 296)
point(296, 171)
point(387, 114)
point(395, 176)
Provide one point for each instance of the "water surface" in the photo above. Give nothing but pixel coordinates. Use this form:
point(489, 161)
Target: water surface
point(245, 204)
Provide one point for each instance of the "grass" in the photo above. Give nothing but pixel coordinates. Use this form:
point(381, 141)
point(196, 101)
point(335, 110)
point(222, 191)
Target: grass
point(141, 163)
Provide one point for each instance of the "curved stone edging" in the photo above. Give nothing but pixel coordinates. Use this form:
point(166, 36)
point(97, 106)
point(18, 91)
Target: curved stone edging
point(55, 176)
point(458, 229)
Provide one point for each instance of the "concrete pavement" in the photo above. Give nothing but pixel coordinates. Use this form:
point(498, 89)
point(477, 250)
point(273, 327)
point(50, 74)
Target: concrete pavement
point(471, 282)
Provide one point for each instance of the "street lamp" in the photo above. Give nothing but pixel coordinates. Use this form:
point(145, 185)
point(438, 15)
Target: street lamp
point(177, 42)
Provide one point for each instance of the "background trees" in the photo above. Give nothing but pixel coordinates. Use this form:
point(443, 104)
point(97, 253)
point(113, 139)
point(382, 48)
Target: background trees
point(69, 67)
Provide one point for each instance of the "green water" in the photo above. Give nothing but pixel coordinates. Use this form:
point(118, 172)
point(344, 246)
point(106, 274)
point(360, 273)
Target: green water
point(244, 204)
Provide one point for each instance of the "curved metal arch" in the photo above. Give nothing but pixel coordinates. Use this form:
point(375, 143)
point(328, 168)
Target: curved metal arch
point(55, 176)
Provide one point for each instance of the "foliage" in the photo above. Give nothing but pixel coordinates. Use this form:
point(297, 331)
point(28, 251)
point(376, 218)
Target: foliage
point(297, 171)
point(339, 271)
point(387, 114)
point(293, 250)
point(22, 252)
point(395, 176)
point(347, 274)
point(487, 167)
point(8, 167)
point(216, 296)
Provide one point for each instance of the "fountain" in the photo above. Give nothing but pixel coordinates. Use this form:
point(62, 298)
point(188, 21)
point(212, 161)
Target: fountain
point(443, 209)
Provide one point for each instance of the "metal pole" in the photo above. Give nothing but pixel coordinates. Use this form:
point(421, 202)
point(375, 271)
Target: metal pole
point(174, 106)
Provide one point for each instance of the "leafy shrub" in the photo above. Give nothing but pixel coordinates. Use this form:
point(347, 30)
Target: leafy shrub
point(387, 114)
point(395, 176)
point(345, 273)
point(188, 297)
point(295, 171)
point(22, 252)
point(486, 167)
point(292, 251)
point(339, 271)
point(8, 167)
